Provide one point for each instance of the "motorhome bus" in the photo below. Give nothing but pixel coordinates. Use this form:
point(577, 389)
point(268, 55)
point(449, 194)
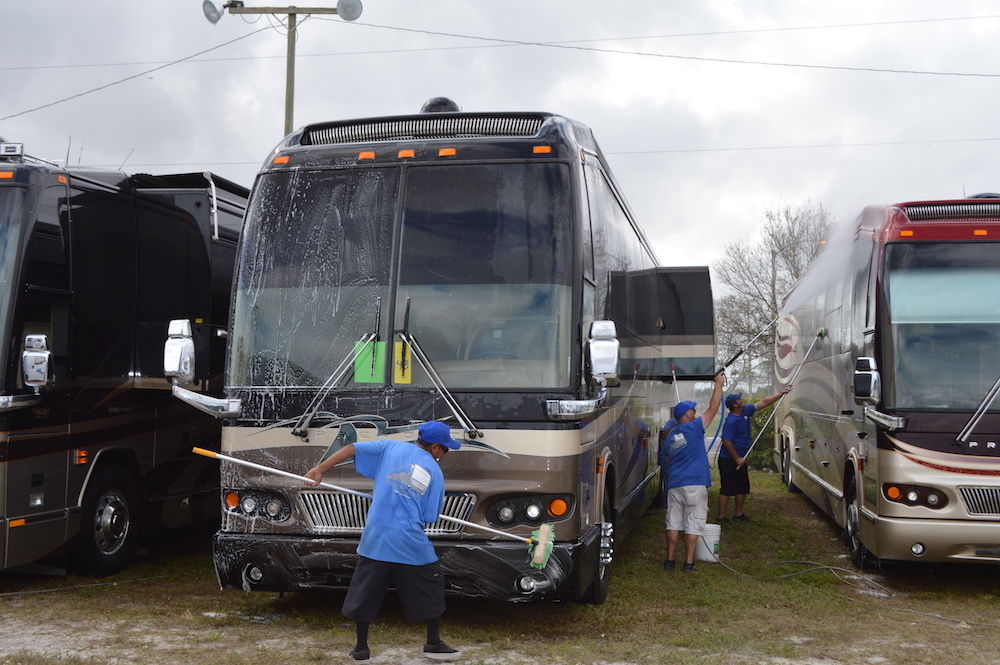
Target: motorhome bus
point(891, 427)
point(94, 451)
point(478, 268)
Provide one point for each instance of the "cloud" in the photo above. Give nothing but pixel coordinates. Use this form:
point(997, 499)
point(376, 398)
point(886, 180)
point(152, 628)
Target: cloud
point(700, 147)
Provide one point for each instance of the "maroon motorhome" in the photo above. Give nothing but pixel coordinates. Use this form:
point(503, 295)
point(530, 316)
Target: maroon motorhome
point(892, 428)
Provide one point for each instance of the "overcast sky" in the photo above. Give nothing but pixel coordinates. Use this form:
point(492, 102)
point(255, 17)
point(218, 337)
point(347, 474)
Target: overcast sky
point(710, 111)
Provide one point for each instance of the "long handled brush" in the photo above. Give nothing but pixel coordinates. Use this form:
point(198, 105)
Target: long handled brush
point(539, 545)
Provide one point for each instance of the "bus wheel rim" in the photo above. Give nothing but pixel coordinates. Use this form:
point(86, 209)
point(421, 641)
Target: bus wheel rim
point(111, 522)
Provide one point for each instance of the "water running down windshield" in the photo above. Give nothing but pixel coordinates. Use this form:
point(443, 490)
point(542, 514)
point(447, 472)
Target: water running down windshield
point(484, 257)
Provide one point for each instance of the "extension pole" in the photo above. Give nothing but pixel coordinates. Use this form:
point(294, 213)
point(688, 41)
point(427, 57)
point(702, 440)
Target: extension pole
point(677, 392)
point(820, 334)
point(294, 476)
point(748, 344)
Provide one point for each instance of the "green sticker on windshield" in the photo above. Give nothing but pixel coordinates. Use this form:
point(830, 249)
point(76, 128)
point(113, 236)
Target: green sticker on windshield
point(367, 369)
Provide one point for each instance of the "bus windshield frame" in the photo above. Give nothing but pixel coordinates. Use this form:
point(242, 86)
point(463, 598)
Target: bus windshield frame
point(942, 348)
point(13, 204)
point(473, 259)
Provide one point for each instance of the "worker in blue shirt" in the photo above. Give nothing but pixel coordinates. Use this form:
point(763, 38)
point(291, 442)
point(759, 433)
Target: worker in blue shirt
point(394, 550)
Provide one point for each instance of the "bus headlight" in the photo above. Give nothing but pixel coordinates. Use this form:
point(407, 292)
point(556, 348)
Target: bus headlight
point(915, 495)
point(255, 503)
point(505, 513)
point(529, 509)
point(248, 504)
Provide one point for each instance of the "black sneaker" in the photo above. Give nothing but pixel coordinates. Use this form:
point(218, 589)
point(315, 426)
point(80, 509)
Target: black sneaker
point(361, 654)
point(723, 520)
point(441, 651)
point(741, 518)
point(688, 567)
point(669, 565)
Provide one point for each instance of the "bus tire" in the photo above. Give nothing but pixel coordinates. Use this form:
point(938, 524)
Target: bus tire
point(110, 522)
point(860, 556)
point(598, 591)
point(786, 468)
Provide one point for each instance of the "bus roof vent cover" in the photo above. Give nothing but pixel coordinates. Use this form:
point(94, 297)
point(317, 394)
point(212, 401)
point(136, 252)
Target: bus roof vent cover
point(936, 211)
point(427, 126)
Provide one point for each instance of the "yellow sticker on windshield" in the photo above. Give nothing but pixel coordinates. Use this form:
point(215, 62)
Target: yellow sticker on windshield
point(403, 364)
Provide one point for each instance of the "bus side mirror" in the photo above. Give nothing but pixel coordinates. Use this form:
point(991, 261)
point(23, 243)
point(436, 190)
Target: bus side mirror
point(36, 362)
point(604, 352)
point(867, 382)
point(178, 353)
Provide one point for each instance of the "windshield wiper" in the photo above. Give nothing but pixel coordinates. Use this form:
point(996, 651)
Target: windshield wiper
point(963, 436)
point(414, 347)
point(302, 425)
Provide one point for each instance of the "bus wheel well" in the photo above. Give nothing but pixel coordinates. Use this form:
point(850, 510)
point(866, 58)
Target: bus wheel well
point(111, 515)
point(597, 593)
point(786, 461)
point(860, 556)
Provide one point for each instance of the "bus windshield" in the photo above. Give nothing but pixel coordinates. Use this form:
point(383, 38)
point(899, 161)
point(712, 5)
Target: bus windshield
point(944, 315)
point(481, 278)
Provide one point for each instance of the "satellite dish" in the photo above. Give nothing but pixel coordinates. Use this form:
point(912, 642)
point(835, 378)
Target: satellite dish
point(349, 9)
point(212, 11)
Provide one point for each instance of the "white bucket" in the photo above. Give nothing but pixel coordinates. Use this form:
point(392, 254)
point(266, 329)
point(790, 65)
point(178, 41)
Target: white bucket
point(707, 548)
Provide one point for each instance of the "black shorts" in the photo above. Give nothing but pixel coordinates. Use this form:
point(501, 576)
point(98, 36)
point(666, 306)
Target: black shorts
point(733, 481)
point(420, 590)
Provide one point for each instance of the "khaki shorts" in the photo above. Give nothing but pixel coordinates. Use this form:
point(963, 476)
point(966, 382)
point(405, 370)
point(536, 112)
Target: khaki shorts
point(687, 509)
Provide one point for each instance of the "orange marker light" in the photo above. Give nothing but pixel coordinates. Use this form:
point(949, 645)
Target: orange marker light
point(906, 234)
point(283, 159)
point(82, 457)
point(405, 153)
point(542, 149)
point(368, 154)
point(6, 175)
point(980, 232)
point(232, 499)
point(558, 507)
point(446, 152)
point(893, 492)
point(62, 179)
point(14, 523)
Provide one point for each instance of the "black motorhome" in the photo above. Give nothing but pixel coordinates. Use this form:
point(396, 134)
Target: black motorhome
point(93, 266)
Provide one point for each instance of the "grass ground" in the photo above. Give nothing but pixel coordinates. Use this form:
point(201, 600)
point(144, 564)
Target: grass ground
point(784, 592)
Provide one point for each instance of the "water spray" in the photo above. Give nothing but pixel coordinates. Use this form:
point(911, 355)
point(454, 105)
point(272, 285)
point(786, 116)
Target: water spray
point(820, 334)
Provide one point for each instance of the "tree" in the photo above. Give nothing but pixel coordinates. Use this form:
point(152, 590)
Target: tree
point(757, 274)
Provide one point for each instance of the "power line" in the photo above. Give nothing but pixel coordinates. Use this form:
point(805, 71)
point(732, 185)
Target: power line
point(499, 43)
point(798, 147)
point(636, 152)
point(129, 78)
point(569, 46)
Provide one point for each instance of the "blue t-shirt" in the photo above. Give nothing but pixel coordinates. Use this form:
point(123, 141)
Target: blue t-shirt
point(408, 492)
point(737, 430)
point(688, 459)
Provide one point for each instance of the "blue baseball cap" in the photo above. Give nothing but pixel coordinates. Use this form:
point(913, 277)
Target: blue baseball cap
point(683, 408)
point(731, 399)
point(436, 431)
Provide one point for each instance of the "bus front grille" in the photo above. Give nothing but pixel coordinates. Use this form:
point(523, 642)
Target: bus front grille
point(337, 512)
point(981, 500)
